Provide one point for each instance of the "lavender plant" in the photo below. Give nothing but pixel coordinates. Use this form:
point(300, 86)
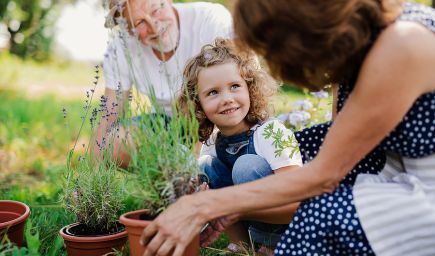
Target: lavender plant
point(94, 187)
point(163, 165)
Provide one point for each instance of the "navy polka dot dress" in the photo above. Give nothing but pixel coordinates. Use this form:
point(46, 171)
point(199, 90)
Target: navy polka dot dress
point(329, 224)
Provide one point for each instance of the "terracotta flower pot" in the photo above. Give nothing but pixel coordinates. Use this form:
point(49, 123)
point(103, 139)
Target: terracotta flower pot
point(92, 245)
point(13, 216)
point(134, 223)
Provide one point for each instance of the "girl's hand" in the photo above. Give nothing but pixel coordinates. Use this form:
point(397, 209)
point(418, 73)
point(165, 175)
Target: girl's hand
point(215, 228)
point(173, 229)
point(203, 187)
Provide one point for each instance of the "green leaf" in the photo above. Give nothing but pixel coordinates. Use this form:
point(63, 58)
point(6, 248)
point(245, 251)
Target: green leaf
point(33, 242)
point(57, 246)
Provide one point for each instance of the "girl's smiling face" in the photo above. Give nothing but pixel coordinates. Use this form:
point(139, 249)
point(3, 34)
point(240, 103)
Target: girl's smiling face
point(224, 97)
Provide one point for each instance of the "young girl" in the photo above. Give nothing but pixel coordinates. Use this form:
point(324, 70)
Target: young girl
point(231, 93)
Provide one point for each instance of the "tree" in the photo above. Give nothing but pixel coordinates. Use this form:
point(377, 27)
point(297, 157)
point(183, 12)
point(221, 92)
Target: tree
point(30, 24)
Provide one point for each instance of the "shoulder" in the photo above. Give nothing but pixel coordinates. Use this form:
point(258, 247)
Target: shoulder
point(405, 46)
point(269, 124)
point(205, 14)
point(200, 7)
point(408, 36)
point(263, 131)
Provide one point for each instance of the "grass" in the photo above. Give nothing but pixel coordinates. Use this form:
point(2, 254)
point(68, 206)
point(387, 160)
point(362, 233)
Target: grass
point(63, 78)
point(28, 72)
point(33, 143)
point(35, 138)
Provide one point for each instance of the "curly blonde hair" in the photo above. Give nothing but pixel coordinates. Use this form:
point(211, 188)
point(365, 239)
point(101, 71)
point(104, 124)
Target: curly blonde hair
point(260, 84)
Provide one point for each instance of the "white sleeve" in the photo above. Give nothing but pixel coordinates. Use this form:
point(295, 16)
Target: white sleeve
point(206, 150)
point(115, 66)
point(218, 22)
point(265, 148)
point(209, 148)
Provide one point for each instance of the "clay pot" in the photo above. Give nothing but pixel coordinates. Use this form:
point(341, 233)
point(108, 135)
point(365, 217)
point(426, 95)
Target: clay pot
point(134, 224)
point(13, 216)
point(92, 245)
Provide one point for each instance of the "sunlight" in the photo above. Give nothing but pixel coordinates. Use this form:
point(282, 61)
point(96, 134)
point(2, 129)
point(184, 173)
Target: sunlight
point(80, 31)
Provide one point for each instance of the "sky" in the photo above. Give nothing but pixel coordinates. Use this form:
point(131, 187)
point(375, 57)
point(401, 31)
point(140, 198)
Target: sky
point(80, 31)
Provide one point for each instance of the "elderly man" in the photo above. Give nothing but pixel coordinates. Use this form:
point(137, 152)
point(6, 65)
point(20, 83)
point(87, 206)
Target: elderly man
point(149, 50)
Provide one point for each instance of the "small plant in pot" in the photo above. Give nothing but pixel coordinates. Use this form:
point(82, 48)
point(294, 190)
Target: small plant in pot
point(93, 192)
point(162, 167)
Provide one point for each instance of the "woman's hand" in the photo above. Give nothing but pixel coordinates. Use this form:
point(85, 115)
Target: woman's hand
point(174, 228)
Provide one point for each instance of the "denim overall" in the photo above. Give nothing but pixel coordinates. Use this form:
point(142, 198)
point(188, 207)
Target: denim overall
point(236, 163)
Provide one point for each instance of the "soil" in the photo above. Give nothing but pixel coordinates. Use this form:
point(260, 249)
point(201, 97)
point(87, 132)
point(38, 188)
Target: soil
point(83, 230)
point(146, 217)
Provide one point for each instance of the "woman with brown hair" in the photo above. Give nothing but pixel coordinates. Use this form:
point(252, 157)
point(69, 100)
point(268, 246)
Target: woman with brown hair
point(382, 54)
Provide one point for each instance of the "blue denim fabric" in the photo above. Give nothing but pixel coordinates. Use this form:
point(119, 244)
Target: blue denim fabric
point(230, 148)
point(237, 163)
point(218, 175)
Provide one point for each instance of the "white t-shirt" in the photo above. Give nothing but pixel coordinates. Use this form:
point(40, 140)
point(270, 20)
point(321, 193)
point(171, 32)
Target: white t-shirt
point(200, 23)
point(263, 147)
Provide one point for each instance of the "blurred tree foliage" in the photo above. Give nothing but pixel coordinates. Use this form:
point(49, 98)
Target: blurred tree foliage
point(30, 26)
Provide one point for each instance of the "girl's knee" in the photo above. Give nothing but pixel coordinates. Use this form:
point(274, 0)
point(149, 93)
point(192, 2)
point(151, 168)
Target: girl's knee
point(217, 174)
point(250, 167)
point(207, 165)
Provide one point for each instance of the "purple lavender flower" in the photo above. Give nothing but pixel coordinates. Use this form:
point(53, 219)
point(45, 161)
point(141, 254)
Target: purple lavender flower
point(64, 112)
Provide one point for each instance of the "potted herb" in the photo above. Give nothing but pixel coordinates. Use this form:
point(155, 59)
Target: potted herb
point(162, 167)
point(93, 193)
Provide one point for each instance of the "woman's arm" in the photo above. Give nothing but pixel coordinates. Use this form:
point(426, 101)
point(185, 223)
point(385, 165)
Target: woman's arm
point(396, 71)
point(277, 215)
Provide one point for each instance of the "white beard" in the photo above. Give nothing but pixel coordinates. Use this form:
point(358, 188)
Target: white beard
point(169, 43)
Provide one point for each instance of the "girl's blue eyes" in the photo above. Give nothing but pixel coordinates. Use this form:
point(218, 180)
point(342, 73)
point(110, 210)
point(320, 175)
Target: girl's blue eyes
point(235, 86)
point(211, 93)
point(214, 92)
